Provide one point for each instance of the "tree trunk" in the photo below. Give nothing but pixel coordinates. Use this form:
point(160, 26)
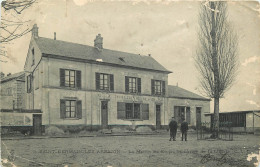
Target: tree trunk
point(216, 118)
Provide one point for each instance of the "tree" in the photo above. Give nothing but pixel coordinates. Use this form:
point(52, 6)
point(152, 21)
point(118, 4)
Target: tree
point(216, 58)
point(12, 27)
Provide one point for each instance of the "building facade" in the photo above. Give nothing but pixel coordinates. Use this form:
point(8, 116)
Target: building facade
point(12, 91)
point(74, 84)
point(241, 121)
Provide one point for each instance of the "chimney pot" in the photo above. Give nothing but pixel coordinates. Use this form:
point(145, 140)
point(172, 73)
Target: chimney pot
point(98, 42)
point(54, 35)
point(35, 31)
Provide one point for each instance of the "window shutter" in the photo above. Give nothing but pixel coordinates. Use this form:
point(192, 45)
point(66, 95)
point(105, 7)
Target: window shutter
point(79, 109)
point(97, 81)
point(126, 84)
point(152, 87)
point(78, 79)
point(139, 86)
point(111, 82)
point(62, 77)
point(163, 87)
point(62, 108)
point(120, 110)
point(145, 111)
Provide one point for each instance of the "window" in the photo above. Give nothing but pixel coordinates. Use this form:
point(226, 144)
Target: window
point(29, 83)
point(70, 109)
point(182, 112)
point(70, 78)
point(158, 87)
point(104, 82)
point(132, 111)
point(132, 84)
point(33, 57)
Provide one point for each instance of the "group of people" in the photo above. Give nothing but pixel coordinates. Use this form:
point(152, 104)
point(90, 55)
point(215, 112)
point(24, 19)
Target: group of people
point(173, 125)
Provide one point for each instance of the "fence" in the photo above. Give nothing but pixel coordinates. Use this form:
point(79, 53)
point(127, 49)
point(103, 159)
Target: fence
point(204, 131)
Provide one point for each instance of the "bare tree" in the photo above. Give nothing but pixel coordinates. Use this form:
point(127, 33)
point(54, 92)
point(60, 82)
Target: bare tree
point(13, 27)
point(216, 57)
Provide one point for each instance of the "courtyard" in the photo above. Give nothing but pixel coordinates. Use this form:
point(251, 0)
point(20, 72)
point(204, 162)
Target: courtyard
point(136, 150)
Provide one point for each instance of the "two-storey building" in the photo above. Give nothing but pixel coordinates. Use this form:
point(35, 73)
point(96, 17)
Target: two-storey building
point(91, 86)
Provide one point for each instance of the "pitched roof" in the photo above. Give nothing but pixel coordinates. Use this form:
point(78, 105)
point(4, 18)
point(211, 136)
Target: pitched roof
point(177, 92)
point(19, 75)
point(234, 112)
point(85, 52)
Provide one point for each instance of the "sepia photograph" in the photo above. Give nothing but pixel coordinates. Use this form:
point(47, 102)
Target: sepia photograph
point(129, 83)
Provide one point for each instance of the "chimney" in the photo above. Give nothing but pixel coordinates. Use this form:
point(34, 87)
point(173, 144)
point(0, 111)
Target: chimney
point(2, 75)
point(35, 31)
point(54, 35)
point(98, 42)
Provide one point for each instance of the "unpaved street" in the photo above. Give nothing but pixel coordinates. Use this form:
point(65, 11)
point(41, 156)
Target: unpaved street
point(154, 150)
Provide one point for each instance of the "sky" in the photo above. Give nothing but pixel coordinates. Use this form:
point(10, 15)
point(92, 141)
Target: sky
point(165, 29)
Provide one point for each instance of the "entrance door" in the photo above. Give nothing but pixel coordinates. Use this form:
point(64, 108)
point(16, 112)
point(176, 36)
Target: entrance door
point(179, 113)
point(158, 116)
point(198, 116)
point(104, 114)
point(37, 124)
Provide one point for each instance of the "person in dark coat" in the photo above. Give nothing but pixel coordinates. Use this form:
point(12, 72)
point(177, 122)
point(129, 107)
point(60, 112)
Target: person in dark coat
point(173, 129)
point(184, 129)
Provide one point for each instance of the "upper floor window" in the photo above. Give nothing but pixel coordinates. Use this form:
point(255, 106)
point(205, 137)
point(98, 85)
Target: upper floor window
point(70, 78)
point(158, 87)
point(29, 83)
point(33, 57)
point(132, 84)
point(104, 81)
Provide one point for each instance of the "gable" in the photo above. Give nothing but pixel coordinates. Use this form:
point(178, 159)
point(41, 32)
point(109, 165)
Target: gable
point(33, 47)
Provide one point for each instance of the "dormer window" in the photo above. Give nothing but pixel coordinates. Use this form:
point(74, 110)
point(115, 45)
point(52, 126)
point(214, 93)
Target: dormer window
point(33, 57)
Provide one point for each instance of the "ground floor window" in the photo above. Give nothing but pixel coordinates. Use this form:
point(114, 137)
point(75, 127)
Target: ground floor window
point(132, 111)
point(181, 113)
point(70, 109)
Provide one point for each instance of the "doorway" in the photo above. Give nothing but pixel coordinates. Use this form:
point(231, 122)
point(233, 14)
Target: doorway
point(104, 114)
point(158, 116)
point(37, 124)
point(179, 113)
point(198, 116)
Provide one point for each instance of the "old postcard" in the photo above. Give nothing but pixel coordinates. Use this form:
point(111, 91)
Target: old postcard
point(129, 83)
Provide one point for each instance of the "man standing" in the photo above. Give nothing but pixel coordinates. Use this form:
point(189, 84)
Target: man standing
point(173, 129)
point(184, 129)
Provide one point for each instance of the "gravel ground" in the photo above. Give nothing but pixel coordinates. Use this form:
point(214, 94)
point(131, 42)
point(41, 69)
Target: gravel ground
point(154, 150)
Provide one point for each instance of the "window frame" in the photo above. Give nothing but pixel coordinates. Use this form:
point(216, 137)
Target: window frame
point(156, 92)
point(134, 114)
point(102, 85)
point(132, 85)
point(68, 83)
point(70, 107)
point(33, 56)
